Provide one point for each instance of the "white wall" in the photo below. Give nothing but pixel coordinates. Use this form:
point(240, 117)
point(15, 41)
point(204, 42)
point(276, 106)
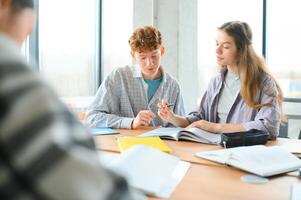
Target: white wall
point(143, 13)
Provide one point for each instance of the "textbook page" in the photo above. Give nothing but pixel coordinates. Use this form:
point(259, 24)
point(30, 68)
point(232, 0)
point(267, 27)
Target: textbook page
point(200, 135)
point(258, 159)
point(191, 134)
point(294, 148)
point(171, 133)
point(150, 170)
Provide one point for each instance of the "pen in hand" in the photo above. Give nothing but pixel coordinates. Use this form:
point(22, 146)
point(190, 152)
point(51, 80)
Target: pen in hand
point(164, 104)
point(152, 121)
point(169, 105)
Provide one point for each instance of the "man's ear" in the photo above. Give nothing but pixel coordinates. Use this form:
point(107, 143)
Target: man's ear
point(133, 55)
point(162, 50)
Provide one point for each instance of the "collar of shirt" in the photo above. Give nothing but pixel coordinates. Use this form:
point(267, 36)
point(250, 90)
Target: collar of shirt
point(138, 74)
point(12, 50)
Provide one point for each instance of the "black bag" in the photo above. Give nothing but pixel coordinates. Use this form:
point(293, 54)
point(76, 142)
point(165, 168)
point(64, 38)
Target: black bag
point(245, 138)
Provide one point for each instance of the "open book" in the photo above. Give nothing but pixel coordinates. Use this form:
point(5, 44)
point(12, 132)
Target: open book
point(258, 159)
point(191, 134)
point(294, 148)
point(148, 170)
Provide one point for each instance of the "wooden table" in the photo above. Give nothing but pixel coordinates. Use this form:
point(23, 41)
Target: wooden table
point(204, 182)
point(184, 150)
point(207, 180)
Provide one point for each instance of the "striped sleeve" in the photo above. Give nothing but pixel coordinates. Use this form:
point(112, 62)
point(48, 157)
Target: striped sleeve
point(45, 152)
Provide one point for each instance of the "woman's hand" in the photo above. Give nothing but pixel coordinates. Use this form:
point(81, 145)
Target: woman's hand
point(207, 126)
point(165, 112)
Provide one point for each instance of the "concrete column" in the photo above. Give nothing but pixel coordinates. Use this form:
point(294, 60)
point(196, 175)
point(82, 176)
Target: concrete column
point(143, 13)
point(188, 53)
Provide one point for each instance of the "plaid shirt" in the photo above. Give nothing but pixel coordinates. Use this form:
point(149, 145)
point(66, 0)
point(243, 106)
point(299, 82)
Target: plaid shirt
point(123, 94)
point(45, 153)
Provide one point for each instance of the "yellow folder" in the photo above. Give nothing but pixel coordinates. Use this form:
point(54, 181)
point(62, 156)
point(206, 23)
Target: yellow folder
point(125, 143)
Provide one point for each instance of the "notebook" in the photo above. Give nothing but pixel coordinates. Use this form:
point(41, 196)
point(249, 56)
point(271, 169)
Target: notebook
point(103, 131)
point(125, 143)
point(149, 170)
point(191, 134)
point(294, 148)
point(257, 159)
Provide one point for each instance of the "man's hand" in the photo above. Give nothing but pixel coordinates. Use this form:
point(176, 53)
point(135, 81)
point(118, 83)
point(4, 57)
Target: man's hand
point(144, 118)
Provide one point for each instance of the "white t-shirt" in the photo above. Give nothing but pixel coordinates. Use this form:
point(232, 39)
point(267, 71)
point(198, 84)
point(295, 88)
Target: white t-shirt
point(229, 92)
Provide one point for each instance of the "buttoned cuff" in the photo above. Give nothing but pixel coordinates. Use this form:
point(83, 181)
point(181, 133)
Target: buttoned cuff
point(126, 122)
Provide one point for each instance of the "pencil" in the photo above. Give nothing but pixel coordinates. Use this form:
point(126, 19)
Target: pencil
point(153, 124)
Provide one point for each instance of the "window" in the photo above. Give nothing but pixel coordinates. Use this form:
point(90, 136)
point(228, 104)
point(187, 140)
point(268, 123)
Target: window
point(117, 28)
point(212, 14)
point(68, 45)
point(283, 43)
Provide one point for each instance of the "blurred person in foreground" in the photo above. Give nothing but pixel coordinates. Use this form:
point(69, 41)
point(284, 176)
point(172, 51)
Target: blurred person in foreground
point(45, 153)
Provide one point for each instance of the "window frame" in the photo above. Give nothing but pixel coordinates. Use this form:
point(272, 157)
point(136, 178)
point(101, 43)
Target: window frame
point(34, 55)
point(34, 41)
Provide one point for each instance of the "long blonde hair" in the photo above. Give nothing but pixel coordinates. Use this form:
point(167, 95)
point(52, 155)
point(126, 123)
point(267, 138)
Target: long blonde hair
point(252, 68)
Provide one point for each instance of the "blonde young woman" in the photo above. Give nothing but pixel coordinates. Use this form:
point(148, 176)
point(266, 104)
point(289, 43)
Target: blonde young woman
point(243, 96)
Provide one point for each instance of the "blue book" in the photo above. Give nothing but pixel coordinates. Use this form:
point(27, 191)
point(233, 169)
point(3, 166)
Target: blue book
point(103, 131)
